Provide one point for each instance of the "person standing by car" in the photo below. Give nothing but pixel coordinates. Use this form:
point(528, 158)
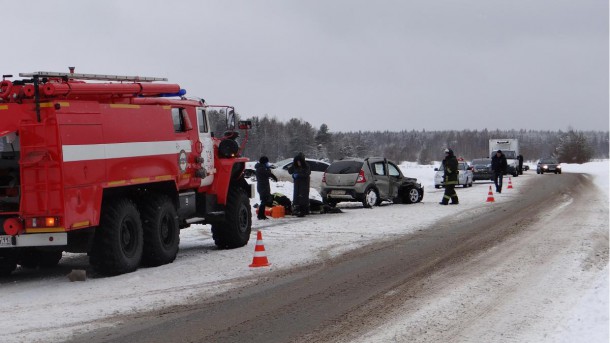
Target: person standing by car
point(263, 174)
point(450, 168)
point(498, 165)
point(300, 172)
point(520, 169)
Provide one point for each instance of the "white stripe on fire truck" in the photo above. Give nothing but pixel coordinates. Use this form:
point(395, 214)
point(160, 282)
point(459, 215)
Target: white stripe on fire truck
point(89, 152)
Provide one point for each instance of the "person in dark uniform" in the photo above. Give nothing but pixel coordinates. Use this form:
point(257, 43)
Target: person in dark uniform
point(300, 172)
point(450, 167)
point(263, 174)
point(520, 159)
point(498, 165)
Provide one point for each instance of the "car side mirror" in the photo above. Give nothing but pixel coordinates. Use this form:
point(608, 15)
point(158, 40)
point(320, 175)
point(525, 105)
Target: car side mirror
point(435, 169)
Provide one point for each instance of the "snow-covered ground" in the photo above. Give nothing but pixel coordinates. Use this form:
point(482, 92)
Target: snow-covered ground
point(50, 308)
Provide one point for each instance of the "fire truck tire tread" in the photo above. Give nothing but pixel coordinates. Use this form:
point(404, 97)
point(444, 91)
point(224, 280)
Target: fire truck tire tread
point(118, 241)
point(234, 231)
point(161, 231)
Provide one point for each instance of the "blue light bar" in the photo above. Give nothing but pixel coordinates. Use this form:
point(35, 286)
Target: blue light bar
point(179, 93)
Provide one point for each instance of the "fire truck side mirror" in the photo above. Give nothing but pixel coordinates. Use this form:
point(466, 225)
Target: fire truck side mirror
point(245, 124)
point(187, 122)
point(231, 120)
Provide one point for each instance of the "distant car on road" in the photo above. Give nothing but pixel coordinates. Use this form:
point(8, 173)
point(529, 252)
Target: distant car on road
point(548, 165)
point(370, 181)
point(481, 169)
point(280, 170)
point(465, 178)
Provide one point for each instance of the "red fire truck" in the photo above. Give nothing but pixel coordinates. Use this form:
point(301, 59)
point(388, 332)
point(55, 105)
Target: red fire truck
point(113, 166)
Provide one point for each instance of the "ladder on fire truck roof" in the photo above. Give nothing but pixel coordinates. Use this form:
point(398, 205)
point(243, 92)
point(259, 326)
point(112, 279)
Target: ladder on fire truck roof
point(98, 77)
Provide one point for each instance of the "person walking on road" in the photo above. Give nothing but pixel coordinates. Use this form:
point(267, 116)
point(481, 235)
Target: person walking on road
point(450, 168)
point(498, 166)
point(520, 169)
point(263, 174)
point(300, 172)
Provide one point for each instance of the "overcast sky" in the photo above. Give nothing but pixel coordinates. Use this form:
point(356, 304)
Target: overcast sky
point(354, 65)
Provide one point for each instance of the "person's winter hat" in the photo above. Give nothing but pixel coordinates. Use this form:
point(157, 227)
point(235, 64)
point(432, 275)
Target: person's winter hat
point(449, 151)
point(499, 151)
point(264, 159)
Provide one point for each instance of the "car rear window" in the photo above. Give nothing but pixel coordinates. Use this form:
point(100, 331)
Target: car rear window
point(345, 167)
point(480, 162)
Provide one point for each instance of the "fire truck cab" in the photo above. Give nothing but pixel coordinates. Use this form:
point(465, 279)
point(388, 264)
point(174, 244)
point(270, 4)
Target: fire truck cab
point(113, 166)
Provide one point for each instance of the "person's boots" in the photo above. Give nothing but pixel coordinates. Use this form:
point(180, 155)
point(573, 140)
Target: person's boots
point(261, 213)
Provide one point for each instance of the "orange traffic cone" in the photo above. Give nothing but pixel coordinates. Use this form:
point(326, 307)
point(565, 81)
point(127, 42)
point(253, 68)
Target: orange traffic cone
point(510, 184)
point(490, 196)
point(260, 259)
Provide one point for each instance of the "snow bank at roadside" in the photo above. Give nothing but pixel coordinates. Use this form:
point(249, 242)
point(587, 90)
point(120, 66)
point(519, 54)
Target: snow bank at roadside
point(46, 307)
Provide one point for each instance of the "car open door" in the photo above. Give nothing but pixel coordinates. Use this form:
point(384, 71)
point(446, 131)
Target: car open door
point(380, 177)
point(394, 178)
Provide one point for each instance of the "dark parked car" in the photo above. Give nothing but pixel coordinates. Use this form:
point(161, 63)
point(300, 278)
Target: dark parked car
point(481, 169)
point(370, 181)
point(548, 165)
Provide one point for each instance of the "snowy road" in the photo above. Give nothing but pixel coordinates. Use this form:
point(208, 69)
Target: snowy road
point(505, 274)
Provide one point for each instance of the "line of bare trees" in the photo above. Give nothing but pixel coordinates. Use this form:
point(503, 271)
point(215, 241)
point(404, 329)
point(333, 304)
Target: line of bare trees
point(279, 140)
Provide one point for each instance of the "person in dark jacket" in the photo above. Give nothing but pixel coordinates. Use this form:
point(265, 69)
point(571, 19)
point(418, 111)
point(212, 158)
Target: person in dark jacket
point(263, 174)
point(520, 159)
point(300, 172)
point(498, 166)
point(450, 167)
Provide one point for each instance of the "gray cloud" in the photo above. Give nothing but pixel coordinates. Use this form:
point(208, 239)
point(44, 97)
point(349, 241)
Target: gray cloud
point(355, 65)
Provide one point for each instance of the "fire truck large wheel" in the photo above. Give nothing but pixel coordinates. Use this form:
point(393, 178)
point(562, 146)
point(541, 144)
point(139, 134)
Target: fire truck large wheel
point(161, 232)
point(234, 231)
point(118, 239)
point(8, 262)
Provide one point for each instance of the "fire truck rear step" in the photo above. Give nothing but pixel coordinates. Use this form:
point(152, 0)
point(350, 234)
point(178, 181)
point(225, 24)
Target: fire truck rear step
point(34, 240)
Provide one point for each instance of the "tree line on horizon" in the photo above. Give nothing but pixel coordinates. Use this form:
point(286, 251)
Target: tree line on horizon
point(279, 140)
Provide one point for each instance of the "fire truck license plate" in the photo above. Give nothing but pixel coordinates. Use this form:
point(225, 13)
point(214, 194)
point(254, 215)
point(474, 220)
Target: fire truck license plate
point(6, 241)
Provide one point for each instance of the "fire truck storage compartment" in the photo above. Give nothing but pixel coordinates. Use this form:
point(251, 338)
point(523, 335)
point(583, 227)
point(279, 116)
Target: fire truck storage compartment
point(9, 177)
point(188, 205)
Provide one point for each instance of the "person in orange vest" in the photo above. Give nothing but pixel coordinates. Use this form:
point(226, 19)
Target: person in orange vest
point(450, 167)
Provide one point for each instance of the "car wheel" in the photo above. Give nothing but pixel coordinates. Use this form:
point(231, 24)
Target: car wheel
point(370, 197)
point(411, 195)
point(437, 186)
point(331, 203)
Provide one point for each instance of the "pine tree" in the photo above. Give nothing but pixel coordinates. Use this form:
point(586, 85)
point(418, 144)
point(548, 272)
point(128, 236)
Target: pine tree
point(574, 148)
